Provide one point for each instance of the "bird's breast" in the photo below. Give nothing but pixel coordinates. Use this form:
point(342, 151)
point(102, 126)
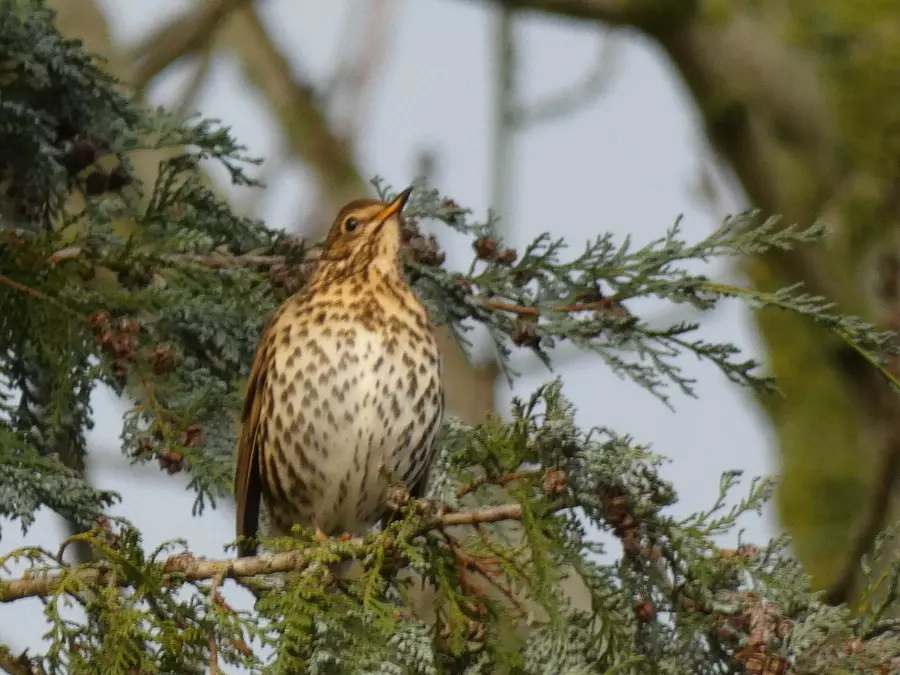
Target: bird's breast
point(351, 410)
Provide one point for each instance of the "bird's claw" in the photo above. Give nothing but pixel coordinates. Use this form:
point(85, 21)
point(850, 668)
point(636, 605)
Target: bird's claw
point(396, 496)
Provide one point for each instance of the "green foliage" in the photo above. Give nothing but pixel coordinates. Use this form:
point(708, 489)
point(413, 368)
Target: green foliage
point(29, 481)
point(53, 94)
point(819, 77)
point(62, 122)
point(580, 300)
point(664, 598)
point(169, 315)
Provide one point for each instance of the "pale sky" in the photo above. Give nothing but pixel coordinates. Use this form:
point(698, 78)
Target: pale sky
point(626, 163)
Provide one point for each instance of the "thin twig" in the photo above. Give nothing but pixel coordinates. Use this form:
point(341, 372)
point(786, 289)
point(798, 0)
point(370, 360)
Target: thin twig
point(33, 292)
point(226, 261)
point(213, 656)
point(463, 490)
point(611, 303)
point(214, 601)
point(346, 91)
point(188, 96)
point(507, 593)
point(294, 101)
point(632, 13)
point(213, 260)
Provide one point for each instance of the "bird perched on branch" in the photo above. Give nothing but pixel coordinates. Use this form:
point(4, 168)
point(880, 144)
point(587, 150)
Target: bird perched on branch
point(345, 395)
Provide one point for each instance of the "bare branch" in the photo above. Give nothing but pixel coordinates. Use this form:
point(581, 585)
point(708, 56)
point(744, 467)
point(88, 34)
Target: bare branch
point(629, 13)
point(370, 30)
point(186, 568)
point(296, 105)
point(470, 487)
point(573, 97)
point(752, 89)
point(188, 96)
point(502, 164)
point(180, 37)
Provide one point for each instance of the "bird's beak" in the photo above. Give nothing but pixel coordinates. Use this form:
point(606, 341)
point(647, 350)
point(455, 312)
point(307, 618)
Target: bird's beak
point(397, 205)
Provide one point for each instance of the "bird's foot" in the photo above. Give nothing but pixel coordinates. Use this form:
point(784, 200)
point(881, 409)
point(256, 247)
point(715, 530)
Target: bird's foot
point(320, 536)
point(345, 537)
point(396, 496)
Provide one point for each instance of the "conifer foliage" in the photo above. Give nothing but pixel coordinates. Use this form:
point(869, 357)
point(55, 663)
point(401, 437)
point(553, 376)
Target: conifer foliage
point(160, 291)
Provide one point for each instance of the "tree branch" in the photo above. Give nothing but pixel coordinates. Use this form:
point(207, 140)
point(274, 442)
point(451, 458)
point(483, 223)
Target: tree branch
point(527, 310)
point(761, 102)
point(225, 261)
point(186, 568)
point(299, 111)
point(887, 407)
point(15, 665)
point(39, 295)
point(215, 261)
point(178, 38)
point(613, 12)
point(573, 97)
point(841, 590)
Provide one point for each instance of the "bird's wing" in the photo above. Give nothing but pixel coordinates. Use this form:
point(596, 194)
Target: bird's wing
point(247, 480)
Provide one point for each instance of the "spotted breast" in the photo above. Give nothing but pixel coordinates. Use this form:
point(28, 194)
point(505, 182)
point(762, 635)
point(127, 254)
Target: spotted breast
point(355, 405)
point(345, 393)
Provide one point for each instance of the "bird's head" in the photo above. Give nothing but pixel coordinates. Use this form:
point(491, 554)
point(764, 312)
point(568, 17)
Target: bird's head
point(365, 232)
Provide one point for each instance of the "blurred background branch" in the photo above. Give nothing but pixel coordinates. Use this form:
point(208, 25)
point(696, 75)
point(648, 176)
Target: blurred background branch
point(187, 35)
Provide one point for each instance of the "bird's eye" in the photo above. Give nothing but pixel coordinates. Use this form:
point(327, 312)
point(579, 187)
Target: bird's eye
point(351, 224)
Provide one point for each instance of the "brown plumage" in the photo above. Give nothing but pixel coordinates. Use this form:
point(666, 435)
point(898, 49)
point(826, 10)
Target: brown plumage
point(345, 394)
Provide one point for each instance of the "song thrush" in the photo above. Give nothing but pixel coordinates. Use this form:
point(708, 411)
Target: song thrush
point(345, 394)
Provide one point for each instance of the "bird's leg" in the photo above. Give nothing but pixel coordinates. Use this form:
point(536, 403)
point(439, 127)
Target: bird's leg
point(487, 565)
point(321, 537)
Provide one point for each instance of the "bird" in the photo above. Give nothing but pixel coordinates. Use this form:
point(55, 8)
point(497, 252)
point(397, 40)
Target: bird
point(345, 396)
